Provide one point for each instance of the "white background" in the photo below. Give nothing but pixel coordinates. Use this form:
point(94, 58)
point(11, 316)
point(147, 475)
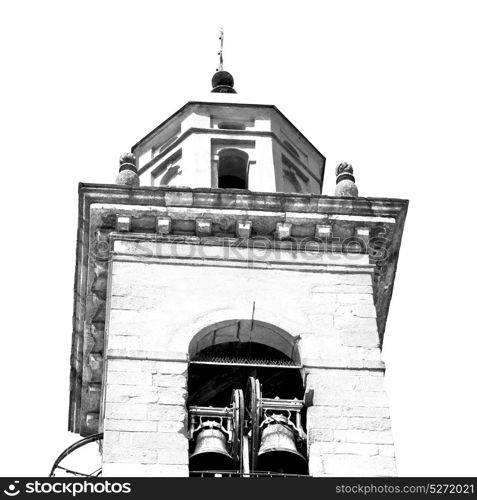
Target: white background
point(388, 86)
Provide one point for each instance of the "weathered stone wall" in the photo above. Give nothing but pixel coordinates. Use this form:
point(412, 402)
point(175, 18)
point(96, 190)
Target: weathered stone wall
point(158, 303)
point(145, 418)
point(161, 218)
point(349, 429)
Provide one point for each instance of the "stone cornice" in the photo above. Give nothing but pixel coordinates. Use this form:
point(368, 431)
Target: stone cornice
point(241, 199)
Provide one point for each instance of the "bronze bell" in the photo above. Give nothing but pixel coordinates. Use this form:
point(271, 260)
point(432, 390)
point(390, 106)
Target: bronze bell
point(210, 450)
point(278, 452)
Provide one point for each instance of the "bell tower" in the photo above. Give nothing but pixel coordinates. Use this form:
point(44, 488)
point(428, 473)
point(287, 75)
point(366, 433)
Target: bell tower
point(228, 316)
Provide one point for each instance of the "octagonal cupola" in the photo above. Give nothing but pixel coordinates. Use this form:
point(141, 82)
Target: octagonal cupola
point(224, 142)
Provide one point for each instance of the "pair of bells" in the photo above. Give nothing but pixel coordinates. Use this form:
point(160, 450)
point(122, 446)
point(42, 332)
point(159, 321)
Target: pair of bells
point(278, 452)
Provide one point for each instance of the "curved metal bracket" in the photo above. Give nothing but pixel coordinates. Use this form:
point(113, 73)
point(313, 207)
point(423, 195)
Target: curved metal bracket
point(82, 442)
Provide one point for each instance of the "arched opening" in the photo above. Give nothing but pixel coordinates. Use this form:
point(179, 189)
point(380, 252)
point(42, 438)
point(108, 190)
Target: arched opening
point(233, 169)
point(225, 358)
point(246, 330)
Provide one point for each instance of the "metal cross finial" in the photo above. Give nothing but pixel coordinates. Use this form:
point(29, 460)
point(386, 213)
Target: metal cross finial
point(221, 53)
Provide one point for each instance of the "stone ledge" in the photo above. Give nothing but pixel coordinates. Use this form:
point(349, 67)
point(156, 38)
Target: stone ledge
point(352, 364)
point(254, 264)
point(150, 247)
point(126, 354)
point(214, 197)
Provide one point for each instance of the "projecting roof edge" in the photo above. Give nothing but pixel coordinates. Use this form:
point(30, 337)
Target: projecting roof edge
point(217, 104)
point(239, 198)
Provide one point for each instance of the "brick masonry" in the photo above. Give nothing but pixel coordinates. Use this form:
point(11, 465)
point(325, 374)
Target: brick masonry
point(349, 427)
point(145, 418)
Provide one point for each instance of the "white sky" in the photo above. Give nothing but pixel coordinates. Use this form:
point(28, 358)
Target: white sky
point(389, 86)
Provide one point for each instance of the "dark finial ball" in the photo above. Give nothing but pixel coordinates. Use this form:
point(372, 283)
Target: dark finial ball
point(127, 158)
point(222, 78)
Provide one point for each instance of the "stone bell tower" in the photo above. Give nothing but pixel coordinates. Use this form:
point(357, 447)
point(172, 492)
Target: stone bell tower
point(228, 316)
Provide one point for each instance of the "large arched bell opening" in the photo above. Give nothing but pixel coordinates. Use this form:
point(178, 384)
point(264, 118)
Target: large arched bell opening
point(262, 430)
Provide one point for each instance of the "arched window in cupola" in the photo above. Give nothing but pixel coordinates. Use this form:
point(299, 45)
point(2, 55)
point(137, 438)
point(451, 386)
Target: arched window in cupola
point(233, 169)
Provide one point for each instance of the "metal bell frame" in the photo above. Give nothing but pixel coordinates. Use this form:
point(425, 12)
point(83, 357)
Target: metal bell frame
point(228, 420)
point(259, 413)
point(244, 420)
